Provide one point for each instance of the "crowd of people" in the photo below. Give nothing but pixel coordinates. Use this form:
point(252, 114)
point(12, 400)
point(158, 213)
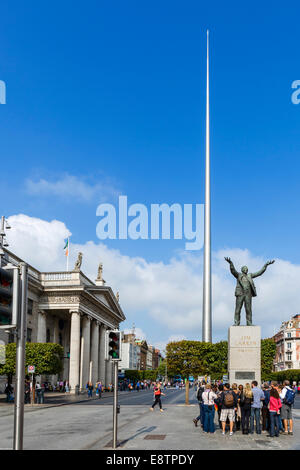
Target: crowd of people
point(246, 408)
point(130, 385)
point(63, 386)
point(124, 385)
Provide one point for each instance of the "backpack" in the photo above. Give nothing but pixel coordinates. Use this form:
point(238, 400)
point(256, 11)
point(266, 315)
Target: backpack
point(200, 393)
point(289, 397)
point(228, 400)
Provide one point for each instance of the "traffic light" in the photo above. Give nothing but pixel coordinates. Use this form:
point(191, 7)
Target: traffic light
point(114, 344)
point(6, 297)
point(9, 287)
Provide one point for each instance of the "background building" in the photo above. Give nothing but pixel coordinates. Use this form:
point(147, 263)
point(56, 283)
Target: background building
point(130, 353)
point(143, 353)
point(137, 354)
point(288, 345)
point(156, 358)
point(149, 357)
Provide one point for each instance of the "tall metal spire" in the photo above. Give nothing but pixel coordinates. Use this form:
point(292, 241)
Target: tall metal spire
point(206, 316)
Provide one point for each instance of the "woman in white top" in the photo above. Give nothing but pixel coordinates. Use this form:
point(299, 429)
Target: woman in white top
point(209, 398)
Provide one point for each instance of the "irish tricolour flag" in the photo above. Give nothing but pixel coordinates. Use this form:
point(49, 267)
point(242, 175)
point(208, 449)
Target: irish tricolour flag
point(66, 247)
point(67, 252)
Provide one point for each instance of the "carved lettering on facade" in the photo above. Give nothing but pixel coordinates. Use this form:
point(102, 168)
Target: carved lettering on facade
point(61, 300)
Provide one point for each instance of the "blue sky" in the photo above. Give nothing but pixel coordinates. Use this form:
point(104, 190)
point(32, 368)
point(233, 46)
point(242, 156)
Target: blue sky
point(112, 94)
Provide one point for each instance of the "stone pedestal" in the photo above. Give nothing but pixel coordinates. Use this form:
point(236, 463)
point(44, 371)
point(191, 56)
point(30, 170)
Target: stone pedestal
point(244, 357)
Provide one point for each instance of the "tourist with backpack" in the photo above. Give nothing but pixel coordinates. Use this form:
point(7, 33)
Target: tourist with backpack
point(89, 387)
point(200, 418)
point(209, 397)
point(258, 397)
point(98, 389)
point(287, 397)
point(229, 403)
point(9, 392)
point(246, 399)
point(265, 409)
point(219, 404)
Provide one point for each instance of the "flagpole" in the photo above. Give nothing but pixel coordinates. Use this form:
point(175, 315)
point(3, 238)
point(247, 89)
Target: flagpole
point(206, 314)
point(68, 254)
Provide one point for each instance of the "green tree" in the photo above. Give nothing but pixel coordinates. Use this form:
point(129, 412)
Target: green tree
point(293, 375)
point(150, 375)
point(134, 375)
point(163, 368)
point(46, 357)
point(268, 351)
point(198, 358)
point(188, 358)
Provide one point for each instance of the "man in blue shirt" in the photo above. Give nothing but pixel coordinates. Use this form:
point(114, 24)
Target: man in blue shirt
point(258, 397)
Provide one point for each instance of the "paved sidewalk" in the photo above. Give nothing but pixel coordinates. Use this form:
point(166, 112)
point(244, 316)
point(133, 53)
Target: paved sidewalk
point(53, 399)
point(174, 430)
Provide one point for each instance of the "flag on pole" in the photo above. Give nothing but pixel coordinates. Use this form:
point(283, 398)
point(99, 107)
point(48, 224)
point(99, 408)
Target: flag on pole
point(66, 247)
point(67, 252)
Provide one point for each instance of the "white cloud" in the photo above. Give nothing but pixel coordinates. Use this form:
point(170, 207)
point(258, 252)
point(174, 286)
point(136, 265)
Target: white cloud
point(70, 187)
point(169, 295)
point(38, 242)
point(161, 345)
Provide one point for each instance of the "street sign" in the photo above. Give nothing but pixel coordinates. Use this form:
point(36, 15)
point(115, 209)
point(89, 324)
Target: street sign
point(31, 369)
point(225, 379)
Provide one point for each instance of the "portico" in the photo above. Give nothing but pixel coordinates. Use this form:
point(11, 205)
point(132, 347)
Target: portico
point(69, 309)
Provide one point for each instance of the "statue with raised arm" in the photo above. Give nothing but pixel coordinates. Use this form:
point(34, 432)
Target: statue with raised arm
point(245, 290)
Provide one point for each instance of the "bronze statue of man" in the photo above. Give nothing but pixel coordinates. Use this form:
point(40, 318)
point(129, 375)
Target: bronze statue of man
point(245, 290)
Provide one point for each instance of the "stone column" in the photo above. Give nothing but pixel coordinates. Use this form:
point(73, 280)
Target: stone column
point(41, 328)
point(85, 352)
point(55, 330)
point(95, 352)
point(55, 339)
point(74, 350)
point(102, 362)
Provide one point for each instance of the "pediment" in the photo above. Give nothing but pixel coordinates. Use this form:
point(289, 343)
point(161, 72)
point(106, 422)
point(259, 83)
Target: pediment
point(106, 296)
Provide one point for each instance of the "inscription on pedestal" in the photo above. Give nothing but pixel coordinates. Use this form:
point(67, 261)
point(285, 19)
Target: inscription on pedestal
point(245, 376)
point(244, 354)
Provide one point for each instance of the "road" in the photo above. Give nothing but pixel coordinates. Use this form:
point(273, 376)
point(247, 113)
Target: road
point(145, 398)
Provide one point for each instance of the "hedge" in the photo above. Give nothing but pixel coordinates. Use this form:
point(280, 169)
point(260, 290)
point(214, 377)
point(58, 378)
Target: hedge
point(136, 375)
